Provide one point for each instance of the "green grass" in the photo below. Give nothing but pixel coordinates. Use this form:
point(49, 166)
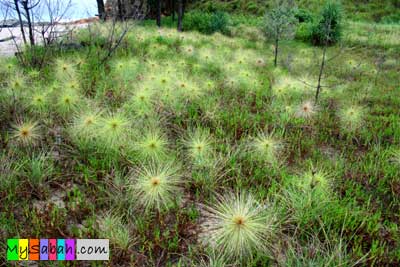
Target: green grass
point(215, 111)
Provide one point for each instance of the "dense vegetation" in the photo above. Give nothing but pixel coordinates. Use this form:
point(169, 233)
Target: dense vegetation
point(370, 10)
point(187, 149)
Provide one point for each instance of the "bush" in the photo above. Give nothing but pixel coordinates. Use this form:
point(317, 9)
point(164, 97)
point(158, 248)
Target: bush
point(303, 31)
point(213, 6)
point(240, 19)
point(303, 15)
point(255, 8)
point(36, 56)
point(196, 21)
point(250, 7)
point(206, 22)
point(328, 30)
point(219, 22)
point(391, 19)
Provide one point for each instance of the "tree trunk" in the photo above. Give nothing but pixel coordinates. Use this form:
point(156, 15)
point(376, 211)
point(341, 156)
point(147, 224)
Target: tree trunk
point(321, 71)
point(28, 18)
point(183, 8)
point(173, 10)
point(120, 15)
point(20, 20)
point(159, 13)
point(101, 9)
point(180, 14)
point(276, 52)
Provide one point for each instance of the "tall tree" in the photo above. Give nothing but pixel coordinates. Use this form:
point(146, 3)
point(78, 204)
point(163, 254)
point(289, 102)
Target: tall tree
point(180, 14)
point(101, 9)
point(21, 24)
point(173, 9)
point(15, 6)
point(120, 11)
point(183, 8)
point(53, 12)
point(328, 32)
point(279, 24)
point(158, 17)
point(28, 6)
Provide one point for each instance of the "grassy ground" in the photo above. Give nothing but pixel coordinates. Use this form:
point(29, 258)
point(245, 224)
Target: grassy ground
point(85, 147)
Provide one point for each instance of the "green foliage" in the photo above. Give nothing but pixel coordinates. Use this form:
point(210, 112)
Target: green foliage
point(303, 15)
point(304, 31)
point(253, 7)
point(219, 22)
point(324, 29)
point(247, 20)
point(279, 24)
point(38, 169)
point(280, 21)
point(391, 19)
point(206, 22)
point(358, 10)
point(328, 30)
point(35, 56)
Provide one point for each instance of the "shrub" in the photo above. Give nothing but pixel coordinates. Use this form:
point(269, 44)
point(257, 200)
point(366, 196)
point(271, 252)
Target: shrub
point(280, 24)
point(329, 29)
point(38, 169)
point(196, 21)
point(303, 31)
point(254, 8)
point(303, 15)
point(213, 6)
point(35, 56)
point(240, 19)
point(206, 22)
point(219, 22)
point(391, 19)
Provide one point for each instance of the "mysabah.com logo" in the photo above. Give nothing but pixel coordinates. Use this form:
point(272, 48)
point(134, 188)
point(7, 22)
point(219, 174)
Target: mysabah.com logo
point(57, 249)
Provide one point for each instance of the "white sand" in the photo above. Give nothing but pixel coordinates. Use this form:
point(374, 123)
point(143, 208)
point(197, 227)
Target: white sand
point(8, 48)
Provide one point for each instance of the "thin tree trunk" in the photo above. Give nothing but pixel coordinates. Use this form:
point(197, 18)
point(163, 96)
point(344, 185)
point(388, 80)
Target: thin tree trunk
point(20, 20)
point(120, 10)
point(321, 71)
point(276, 52)
point(28, 18)
point(173, 9)
point(180, 14)
point(101, 9)
point(183, 8)
point(159, 13)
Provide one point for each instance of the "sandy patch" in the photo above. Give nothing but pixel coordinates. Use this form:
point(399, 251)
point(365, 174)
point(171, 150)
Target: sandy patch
point(8, 48)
